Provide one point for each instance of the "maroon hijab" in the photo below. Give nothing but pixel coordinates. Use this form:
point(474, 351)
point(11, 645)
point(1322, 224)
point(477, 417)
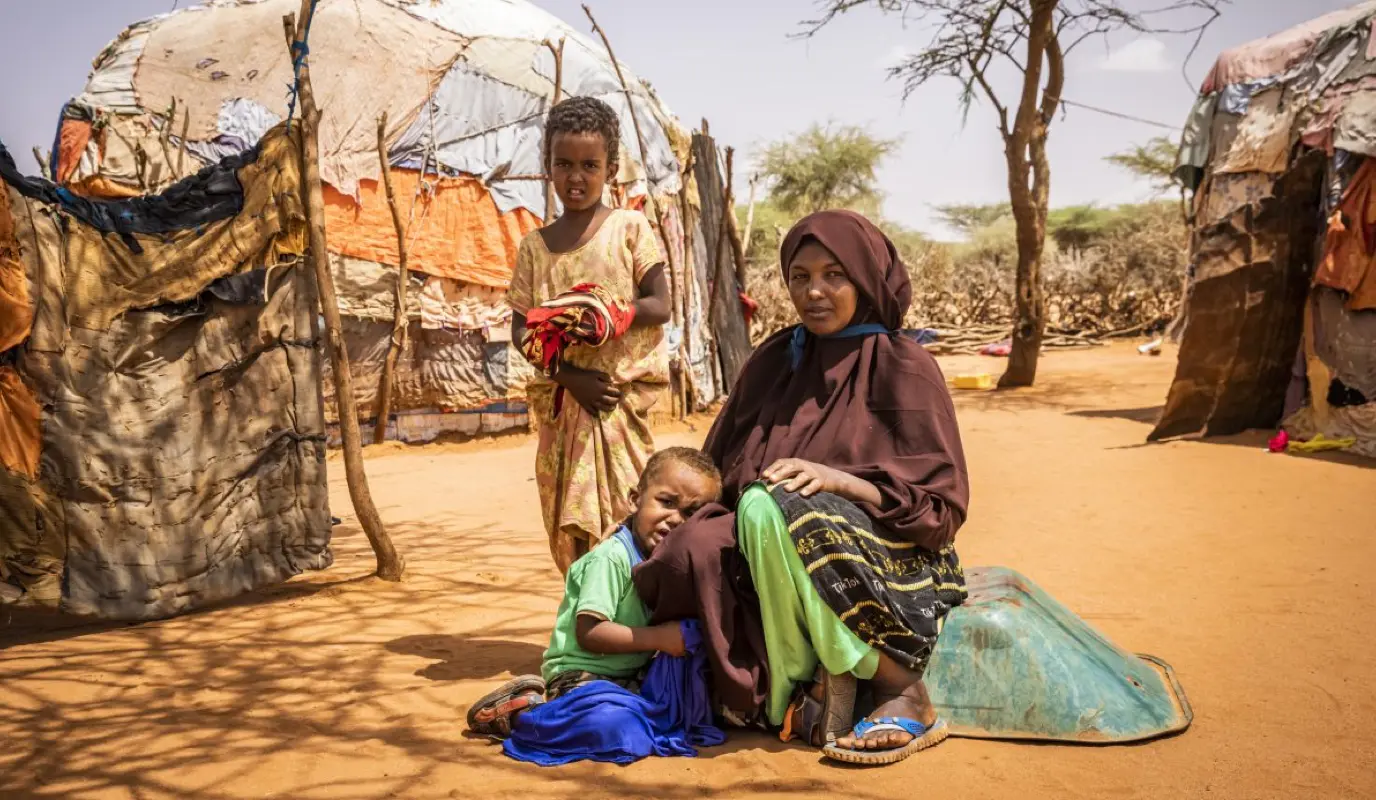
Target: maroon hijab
point(875, 406)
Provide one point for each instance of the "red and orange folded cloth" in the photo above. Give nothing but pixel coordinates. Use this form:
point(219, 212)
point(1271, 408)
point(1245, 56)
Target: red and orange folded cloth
point(585, 315)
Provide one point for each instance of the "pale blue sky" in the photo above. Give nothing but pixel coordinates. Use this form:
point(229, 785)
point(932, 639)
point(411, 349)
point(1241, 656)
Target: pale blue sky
point(734, 63)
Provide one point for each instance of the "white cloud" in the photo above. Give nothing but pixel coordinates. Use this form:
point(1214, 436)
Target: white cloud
point(1141, 55)
point(895, 56)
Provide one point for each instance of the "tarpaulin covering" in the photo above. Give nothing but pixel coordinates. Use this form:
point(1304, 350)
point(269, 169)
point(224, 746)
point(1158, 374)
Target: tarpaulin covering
point(1349, 259)
point(16, 306)
point(507, 45)
point(72, 141)
point(206, 55)
point(466, 84)
point(456, 232)
point(177, 265)
point(135, 155)
point(1195, 141)
point(1227, 192)
point(1245, 311)
point(453, 305)
point(173, 399)
point(1262, 142)
point(447, 370)
point(1279, 53)
point(477, 124)
point(1345, 340)
point(1291, 126)
point(367, 290)
point(18, 425)
point(111, 83)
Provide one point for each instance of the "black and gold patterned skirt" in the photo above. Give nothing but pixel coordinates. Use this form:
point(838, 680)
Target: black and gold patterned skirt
point(892, 594)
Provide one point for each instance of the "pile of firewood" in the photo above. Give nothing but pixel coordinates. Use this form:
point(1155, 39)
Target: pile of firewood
point(970, 340)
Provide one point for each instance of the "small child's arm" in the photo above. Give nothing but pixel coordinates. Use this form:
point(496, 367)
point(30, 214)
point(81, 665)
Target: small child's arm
point(597, 635)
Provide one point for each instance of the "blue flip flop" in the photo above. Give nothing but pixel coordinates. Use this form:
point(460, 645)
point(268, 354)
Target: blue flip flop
point(923, 738)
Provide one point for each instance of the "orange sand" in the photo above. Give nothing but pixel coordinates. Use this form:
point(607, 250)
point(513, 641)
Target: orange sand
point(1249, 572)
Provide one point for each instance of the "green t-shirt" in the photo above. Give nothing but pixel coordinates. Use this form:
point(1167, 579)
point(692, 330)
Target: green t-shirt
point(598, 584)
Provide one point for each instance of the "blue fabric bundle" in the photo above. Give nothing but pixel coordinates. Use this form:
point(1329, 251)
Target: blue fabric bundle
point(672, 716)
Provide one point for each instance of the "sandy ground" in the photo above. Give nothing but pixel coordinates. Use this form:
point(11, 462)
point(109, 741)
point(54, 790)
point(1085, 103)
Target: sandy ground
point(1250, 573)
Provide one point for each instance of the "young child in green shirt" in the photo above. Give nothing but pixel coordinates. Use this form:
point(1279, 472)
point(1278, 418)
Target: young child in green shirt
point(602, 630)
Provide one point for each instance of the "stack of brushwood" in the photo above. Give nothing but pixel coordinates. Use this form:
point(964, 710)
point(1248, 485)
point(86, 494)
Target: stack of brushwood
point(971, 339)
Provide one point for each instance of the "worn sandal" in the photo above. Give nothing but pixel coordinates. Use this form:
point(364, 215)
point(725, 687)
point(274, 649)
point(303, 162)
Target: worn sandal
point(838, 705)
point(923, 738)
point(822, 721)
point(491, 716)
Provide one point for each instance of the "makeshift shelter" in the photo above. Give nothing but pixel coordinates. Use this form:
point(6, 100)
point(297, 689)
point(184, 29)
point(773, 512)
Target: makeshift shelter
point(465, 85)
point(1280, 152)
point(162, 440)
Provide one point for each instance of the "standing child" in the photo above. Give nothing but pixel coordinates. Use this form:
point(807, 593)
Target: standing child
point(592, 450)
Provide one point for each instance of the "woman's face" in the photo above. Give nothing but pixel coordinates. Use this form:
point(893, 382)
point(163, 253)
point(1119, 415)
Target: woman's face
point(824, 296)
point(579, 168)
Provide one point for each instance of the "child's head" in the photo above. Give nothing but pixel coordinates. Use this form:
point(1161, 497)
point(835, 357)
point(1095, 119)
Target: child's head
point(675, 484)
point(582, 144)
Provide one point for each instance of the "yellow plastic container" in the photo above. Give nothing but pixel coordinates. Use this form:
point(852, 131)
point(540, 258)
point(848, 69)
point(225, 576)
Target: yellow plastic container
point(978, 382)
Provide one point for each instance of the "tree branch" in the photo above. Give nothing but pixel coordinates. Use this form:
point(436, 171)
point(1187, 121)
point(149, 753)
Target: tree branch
point(1055, 80)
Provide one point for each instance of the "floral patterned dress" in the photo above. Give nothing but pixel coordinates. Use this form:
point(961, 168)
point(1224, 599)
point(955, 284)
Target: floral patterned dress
point(587, 464)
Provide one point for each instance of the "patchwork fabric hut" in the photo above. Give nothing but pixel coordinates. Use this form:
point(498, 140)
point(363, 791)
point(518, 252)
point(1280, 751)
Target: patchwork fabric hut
point(1280, 152)
point(162, 441)
point(465, 85)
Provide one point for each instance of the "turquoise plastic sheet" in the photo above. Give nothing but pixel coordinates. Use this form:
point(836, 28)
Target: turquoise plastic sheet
point(1013, 663)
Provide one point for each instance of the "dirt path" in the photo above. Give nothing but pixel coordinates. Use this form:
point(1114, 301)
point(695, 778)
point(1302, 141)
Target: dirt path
point(1250, 573)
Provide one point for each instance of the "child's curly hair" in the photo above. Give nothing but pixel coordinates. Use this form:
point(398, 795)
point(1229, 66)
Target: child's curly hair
point(585, 115)
point(693, 459)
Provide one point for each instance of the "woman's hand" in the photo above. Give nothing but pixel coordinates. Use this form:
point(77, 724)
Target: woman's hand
point(807, 478)
point(593, 390)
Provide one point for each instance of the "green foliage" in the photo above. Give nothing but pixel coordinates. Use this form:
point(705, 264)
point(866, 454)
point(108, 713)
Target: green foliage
point(826, 167)
point(770, 224)
point(1154, 160)
point(969, 218)
point(1076, 228)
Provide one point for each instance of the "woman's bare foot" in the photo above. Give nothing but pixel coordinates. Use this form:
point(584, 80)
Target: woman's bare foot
point(900, 693)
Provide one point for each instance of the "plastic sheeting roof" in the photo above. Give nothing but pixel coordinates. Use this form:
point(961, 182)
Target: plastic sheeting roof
point(483, 115)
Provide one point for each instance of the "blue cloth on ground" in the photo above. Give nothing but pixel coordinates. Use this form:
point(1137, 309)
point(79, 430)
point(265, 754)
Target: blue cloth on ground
point(922, 335)
point(600, 721)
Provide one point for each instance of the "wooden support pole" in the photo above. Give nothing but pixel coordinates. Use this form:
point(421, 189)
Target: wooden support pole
point(732, 232)
point(397, 344)
point(42, 162)
point(390, 565)
point(181, 153)
point(690, 290)
point(719, 257)
point(687, 297)
point(727, 319)
point(750, 215)
point(656, 213)
point(554, 101)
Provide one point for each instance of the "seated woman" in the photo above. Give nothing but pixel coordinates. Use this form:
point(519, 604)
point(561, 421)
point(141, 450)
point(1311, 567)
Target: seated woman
point(840, 452)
